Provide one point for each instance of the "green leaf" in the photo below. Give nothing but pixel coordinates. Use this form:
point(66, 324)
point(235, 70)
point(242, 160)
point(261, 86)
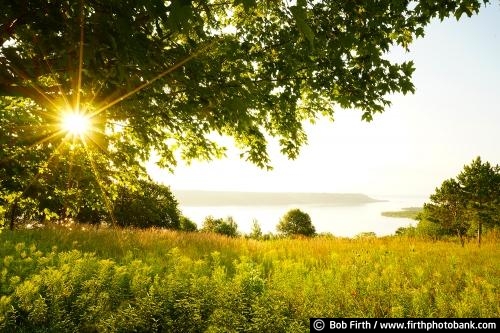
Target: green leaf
point(247, 4)
point(367, 116)
point(300, 14)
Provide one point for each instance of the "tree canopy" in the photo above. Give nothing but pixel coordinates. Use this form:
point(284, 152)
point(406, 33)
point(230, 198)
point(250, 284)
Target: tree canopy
point(174, 72)
point(469, 202)
point(224, 226)
point(165, 76)
point(296, 222)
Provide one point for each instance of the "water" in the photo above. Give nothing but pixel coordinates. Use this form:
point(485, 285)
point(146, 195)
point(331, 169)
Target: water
point(344, 221)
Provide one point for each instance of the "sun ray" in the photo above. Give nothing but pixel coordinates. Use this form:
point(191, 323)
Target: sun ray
point(75, 123)
point(46, 139)
point(38, 142)
point(59, 85)
point(151, 81)
point(79, 130)
point(107, 201)
point(97, 143)
point(34, 86)
point(44, 165)
point(61, 92)
point(80, 58)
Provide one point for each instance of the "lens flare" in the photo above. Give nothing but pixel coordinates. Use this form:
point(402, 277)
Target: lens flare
point(75, 123)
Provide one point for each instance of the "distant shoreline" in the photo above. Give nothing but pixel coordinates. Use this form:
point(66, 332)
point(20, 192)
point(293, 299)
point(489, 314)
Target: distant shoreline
point(406, 213)
point(233, 198)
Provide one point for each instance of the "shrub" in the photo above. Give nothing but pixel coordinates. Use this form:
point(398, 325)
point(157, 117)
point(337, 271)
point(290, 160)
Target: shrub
point(186, 224)
point(225, 226)
point(148, 205)
point(426, 228)
point(409, 231)
point(296, 222)
point(366, 235)
point(256, 232)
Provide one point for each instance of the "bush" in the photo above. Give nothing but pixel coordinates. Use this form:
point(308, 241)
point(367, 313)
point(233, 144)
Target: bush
point(225, 226)
point(149, 205)
point(408, 231)
point(296, 222)
point(428, 229)
point(366, 235)
point(187, 225)
point(256, 232)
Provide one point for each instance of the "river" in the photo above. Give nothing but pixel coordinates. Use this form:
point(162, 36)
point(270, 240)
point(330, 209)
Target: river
point(339, 220)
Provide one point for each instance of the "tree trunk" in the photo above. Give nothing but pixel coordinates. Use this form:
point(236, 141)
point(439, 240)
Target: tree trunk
point(461, 237)
point(13, 212)
point(479, 232)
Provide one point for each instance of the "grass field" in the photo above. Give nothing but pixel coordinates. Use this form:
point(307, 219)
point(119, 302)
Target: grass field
point(110, 280)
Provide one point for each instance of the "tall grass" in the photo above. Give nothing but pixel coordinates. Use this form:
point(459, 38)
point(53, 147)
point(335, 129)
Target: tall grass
point(111, 280)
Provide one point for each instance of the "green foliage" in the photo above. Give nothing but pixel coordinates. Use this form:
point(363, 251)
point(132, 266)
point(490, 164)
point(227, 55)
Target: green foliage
point(2, 217)
point(57, 177)
point(224, 226)
point(256, 232)
point(428, 229)
point(468, 203)
point(296, 222)
point(147, 205)
point(171, 281)
point(448, 208)
point(64, 178)
point(165, 76)
point(185, 224)
point(366, 235)
point(281, 65)
point(480, 184)
point(408, 231)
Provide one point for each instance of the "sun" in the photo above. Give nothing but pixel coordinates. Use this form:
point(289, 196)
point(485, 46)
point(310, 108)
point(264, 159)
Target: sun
point(75, 123)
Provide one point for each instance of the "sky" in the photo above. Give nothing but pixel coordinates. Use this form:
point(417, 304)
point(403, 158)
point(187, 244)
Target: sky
point(411, 148)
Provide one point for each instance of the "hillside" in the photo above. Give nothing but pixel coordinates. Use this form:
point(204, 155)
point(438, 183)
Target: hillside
point(216, 198)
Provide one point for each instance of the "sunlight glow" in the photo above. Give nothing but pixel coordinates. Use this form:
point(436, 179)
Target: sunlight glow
point(75, 123)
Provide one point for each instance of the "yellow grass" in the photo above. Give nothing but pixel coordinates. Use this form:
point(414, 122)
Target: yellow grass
point(134, 276)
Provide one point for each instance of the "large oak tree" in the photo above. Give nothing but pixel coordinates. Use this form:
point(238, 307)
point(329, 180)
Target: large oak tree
point(168, 75)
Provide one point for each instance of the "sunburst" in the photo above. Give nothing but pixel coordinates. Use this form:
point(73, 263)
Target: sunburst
point(75, 119)
point(75, 123)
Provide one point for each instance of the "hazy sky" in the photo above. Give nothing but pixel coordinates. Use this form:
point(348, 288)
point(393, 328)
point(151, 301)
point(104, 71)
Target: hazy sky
point(421, 140)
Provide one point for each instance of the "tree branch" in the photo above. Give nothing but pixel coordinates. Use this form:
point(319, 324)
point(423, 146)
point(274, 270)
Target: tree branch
point(41, 98)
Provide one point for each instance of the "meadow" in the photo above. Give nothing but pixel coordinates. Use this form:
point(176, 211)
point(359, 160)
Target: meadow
point(122, 280)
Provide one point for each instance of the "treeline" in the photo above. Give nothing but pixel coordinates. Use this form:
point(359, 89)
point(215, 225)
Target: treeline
point(141, 204)
point(294, 223)
point(462, 207)
point(74, 188)
point(465, 206)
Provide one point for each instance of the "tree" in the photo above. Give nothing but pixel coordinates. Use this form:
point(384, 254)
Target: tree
point(256, 232)
point(39, 179)
point(409, 231)
point(164, 76)
point(296, 222)
point(448, 209)
point(175, 72)
point(147, 205)
point(469, 202)
point(60, 176)
point(187, 225)
point(227, 226)
point(427, 229)
point(480, 184)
